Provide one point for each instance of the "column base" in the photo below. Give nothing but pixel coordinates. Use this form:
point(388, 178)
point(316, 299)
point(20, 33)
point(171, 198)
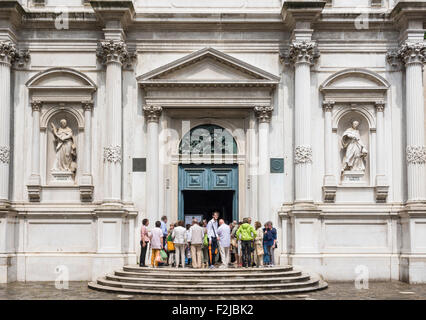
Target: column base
point(412, 268)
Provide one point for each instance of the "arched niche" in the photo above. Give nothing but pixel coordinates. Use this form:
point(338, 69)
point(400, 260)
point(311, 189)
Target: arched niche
point(354, 94)
point(55, 94)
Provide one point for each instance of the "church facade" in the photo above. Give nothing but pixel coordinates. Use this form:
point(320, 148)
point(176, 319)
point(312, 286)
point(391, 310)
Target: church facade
point(309, 114)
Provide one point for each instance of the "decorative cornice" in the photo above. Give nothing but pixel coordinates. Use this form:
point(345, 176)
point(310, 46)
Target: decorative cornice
point(112, 154)
point(263, 114)
point(303, 154)
point(114, 51)
point(152, 113)
point(301, 52)
point(416, 154)
point(87, 105)
point(36, 105)
point(4, 154)
point(380, 106)
point(328, 105)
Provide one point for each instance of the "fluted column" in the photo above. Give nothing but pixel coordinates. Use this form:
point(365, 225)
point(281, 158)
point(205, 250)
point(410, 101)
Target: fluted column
point(113, 53)
point(8, 53)
point(263, 115)
point(152, 116)
point(381, 180)
point(302, 55)
point(414, 56)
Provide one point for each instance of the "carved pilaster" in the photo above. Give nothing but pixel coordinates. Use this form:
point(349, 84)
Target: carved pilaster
point(4, 154)
point(114, 51)
point(87, 105)
point(152, 113)
point(36, 105)
point(380, 106)
point(112, 154)
point(303, 154)
point(263, 114)
point(328, 105)
point(416, 154)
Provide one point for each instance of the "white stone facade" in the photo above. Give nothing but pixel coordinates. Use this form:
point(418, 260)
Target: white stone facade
point(285, 78)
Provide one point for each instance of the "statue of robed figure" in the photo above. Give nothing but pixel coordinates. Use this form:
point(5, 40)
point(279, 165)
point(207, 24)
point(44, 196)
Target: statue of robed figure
point(356, 151)
point(66, 152)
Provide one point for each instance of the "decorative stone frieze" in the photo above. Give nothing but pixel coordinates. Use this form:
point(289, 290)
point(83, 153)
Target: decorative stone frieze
point(302, 52)
point(112, 154)
point(152, 113)
point(114, 51)
point(303, 154)
point(4, 154)
point(263, 114)
point(416, 154)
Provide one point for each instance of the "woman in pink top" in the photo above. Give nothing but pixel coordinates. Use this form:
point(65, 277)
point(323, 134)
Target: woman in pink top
point(144, 241)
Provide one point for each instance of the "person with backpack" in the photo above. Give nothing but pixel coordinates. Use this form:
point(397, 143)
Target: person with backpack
point(170, 246)
point(246, 234)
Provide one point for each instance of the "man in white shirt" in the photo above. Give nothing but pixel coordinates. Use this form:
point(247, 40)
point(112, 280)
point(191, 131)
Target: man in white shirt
point(212, 235)
point(196, 237)
point(224, 235)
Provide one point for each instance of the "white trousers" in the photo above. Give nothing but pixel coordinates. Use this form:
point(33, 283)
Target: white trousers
point(224, 255)
point(180, 254)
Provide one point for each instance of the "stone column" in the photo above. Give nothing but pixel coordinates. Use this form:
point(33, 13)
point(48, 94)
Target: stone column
point(86, 182)
point(113, 53)
point(8, 53)
point(35, 181)
point(302, 55)
point(263, 115)
point(330, 185)
point(152, 116)
point(381, 181)
point(414, 56)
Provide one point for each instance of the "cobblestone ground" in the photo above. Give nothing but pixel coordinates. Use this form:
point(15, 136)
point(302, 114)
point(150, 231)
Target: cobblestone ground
point(336, 291)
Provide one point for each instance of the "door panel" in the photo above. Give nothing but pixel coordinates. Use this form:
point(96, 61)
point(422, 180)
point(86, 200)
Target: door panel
point(221, 179)
point(195, 179)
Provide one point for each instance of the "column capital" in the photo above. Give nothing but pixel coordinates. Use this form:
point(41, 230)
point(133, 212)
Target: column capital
point(152, 113)
point(328, 105)
point(8, 52)
point(410, 53)
point(36, 105)
point(301, 51)
point(380, 106)
point(263, 114)
point(114, 51)
point(87, 105)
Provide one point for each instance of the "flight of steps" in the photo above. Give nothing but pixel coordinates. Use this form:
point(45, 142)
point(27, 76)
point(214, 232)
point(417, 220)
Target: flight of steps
point(188, 281)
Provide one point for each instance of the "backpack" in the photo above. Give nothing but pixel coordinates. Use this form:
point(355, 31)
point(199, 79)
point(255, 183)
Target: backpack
point(206, 240)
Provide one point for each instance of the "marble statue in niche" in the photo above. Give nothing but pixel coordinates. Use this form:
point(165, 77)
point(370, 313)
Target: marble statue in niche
point(355, 151)
point(65, 165)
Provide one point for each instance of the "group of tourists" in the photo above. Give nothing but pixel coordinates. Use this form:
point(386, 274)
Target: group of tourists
point(202, 244)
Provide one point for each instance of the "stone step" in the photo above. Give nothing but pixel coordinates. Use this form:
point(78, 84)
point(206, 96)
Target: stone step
point(208, 287)
point(176, 274)
point(188, 270)
point(206, 280)
point(319, 286)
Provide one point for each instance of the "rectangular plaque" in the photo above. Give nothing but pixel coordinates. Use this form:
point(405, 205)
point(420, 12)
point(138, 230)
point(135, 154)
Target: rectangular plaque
point(139, 164)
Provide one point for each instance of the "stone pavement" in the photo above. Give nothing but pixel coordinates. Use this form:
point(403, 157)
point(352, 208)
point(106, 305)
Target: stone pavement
point(336, 291)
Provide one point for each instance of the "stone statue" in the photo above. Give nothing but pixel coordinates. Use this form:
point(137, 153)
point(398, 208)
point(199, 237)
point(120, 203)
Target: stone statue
point(355, 149)
point(65, 148)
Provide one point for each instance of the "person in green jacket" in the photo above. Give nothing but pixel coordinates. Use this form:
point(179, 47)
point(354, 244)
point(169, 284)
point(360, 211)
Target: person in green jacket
point(246, 233)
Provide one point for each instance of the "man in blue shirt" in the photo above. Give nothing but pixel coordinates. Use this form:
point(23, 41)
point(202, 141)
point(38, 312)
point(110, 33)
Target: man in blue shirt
point(164, 229)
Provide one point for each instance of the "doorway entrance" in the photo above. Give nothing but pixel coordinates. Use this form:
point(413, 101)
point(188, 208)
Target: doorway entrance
point(206, 188)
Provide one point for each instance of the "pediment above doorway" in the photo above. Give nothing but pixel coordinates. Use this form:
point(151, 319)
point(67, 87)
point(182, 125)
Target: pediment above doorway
point(208, 67)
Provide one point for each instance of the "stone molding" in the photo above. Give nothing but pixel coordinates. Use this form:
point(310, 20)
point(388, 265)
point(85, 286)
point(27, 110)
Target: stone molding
point(114, 51)
point(112, 154)
point(302, 154)
point(416, 154)
point(263, 114)
point(302, 52)
point(4, 154)
point(152, 113)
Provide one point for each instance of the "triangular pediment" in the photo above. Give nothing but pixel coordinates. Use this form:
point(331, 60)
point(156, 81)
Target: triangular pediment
point(208, 67)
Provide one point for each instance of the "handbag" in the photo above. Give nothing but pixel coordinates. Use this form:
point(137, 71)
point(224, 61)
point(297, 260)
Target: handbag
point(259, 250)
point(163, 255)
